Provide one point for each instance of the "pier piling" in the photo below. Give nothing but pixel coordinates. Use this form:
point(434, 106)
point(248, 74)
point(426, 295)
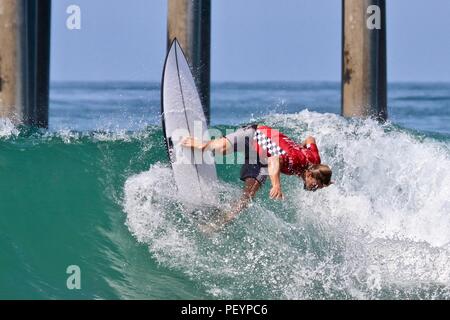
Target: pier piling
point(25, 61)
point(364, 81)
point(190, 22)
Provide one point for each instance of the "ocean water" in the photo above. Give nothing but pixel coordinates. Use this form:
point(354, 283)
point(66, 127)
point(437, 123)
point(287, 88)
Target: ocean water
point(96, 191)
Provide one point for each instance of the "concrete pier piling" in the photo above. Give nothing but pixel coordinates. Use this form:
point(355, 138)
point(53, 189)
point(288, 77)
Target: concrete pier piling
point(364, 80)
point(11, 50)
point(25, 61)
point(190, 22)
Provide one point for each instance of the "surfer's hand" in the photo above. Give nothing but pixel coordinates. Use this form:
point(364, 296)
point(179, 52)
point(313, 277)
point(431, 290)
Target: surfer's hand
point(275, 193)
point(191, 142)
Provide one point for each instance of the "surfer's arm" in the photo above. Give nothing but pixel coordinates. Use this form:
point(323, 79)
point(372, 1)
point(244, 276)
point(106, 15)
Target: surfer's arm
point(274, 174)
point(309, 140)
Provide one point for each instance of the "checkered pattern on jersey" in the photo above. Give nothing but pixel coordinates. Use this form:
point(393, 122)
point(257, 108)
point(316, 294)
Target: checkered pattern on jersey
point(267, 144)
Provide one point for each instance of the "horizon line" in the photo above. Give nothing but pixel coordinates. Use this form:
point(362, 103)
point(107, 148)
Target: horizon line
point(250, 81)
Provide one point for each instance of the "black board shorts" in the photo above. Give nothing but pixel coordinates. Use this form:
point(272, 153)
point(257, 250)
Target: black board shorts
point(253, 166)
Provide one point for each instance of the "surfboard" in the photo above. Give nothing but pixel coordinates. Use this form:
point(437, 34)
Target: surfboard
point(182, 115)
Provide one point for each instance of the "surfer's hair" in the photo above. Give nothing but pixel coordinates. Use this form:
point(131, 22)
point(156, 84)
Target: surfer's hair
point(322, 173)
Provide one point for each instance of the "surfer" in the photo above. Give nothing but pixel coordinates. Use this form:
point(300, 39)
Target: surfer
point(268, 153)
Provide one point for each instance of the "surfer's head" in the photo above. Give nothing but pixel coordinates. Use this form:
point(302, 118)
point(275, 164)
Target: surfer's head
point(317, 177)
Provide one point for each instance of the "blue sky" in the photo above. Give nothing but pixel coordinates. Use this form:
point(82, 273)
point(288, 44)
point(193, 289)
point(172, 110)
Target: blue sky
point(252, 40)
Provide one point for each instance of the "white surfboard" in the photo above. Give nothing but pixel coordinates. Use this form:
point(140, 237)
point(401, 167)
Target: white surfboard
point(182, 115)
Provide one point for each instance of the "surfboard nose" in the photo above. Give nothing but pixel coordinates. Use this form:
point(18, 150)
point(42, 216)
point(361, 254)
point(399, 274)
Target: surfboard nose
point(175, 44)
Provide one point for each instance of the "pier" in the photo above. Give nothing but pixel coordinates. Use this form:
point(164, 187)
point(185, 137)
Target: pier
point(190, 22)
point(25, 61)
point(25, 55)
point(364, 80)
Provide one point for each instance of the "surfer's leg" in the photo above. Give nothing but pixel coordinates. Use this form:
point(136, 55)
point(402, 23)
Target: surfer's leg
point(253, 173)
point(221, 146)
point(251, 187)
point(239, 141)
point(254, 177)
point(235, 142)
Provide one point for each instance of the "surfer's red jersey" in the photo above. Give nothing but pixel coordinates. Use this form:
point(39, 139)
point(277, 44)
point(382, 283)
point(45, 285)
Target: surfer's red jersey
point(296, 158)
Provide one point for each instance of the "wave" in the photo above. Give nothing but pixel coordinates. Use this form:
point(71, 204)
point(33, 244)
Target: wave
point(382, 231)
point(7, 128)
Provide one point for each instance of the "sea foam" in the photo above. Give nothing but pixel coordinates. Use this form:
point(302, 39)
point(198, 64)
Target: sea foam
point(381, 231)
point(7, 128)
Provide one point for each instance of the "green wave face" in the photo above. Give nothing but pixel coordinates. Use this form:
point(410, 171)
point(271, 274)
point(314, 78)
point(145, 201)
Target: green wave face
point(107, 203)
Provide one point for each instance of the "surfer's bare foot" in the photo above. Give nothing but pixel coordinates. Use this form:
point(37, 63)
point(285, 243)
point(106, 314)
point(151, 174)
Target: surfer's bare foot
point(209, 228)
point(218, 224)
